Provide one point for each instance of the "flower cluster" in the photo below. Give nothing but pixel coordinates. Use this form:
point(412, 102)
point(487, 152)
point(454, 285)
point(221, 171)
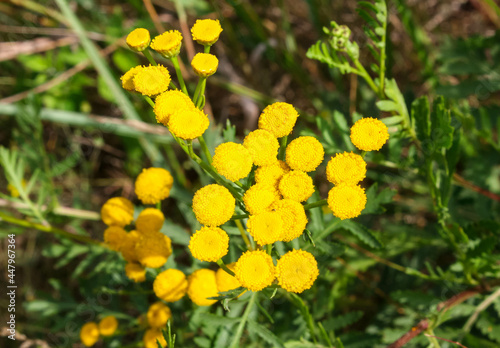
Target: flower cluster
point(92, 331)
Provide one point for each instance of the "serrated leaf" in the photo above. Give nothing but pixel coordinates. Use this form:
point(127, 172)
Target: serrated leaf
point(374, 200)
point(265, 334)
point(363, 233)
point(421, 118)
point(442, 131)
point(341, 321)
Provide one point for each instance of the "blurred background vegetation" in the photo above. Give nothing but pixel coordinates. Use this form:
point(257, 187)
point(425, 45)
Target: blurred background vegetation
point(64, 119)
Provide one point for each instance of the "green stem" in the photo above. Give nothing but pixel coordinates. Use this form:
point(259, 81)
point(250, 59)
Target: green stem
point(269, 249)
point(150, 58)
point(382, 54)
point(150, 101)
point(316, 204)
point(158, 205)
point(243, 234)
point(175, 62)
point(432, 340)
point(224, 267)
point(174, 163)
point(205, 149)
point(364, 74)
point(47, 229)
point(239, 217)
point(197, 90)
point(282, 150)
point(206, 49)
point(239, 331)
point(202, 93)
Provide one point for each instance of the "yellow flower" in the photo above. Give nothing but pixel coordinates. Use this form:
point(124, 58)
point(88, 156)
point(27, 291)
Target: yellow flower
point(114, 237)
point(153, 249)
point(188, 123)
point(170, 285)
point(170, 102)
point(152, 80)
point(232, 160)
point(293, 216)
point(135, 272)
point(213, 205)
point(369, 134)
point(296, 185)
point(296, 271)
point(206, 31)
point(138, 40)
point(263, 147)
point(158, 315)
point(278, 118)
point(204, 64)
point(128, 246)
point(305, 154)
point(150, 220)
point(168, 44)
point(89, 334)
point(271, 174)
point(13, 191)
point(346, 201)
point(108, 325)
point(117, 211)
point(255, 270)
point(202, 285)
point(266, 227)
point(209, 244)
point(259, 197)
point(128, 78)
point(225, 281)
point(151, 336)
point(346, 167)
point(153, 185)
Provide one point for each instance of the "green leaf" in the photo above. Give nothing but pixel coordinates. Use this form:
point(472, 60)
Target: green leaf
point(420, 114)
point(341, 321)
point(217, 320)
point(442, 131)
point(364, 234)
point(265, 334)
point(375, 201)
point(387, 105)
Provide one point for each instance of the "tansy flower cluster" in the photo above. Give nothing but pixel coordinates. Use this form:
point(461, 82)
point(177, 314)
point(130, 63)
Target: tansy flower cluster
point(92, 331)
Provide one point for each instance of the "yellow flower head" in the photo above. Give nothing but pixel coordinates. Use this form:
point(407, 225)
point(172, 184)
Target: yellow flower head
point(259, 197)
point(278, 118)
point(188, 124)
point(296, 185)
point(305, 154)
point(168, 44)
point(170, 102)
point(170, 285)
point(149, 220)
point(263, 147)
point(117, 211)
point(206, 31)
point(232, 160)
point(293, 216)
point(138, 40)
point(204, 64)
point(213, 205)
point(153, 249)
point(266, 227)
point(128, 78)
point(296, 271)
point(202, 285)
point(369, 134)
point(153, 185)
point(89, 334)
point(135, 272)
point(108, 325)
point(346, 201)
point(152, 80)
point(13, 190)
point(128, 246)
point(225, 281)
point(158, 315)
point(271, 174)
point(151, 336)
point(346, 167)
point(255, 270)
point(114, 237)
point(209, 244)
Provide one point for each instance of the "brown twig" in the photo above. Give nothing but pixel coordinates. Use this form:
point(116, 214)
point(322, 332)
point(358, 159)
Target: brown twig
point(154, 16)
point(442, 307)
point(467, 184)
point(10, 50)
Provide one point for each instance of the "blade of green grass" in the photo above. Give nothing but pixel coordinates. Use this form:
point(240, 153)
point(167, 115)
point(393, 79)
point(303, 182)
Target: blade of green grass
point(111, 81)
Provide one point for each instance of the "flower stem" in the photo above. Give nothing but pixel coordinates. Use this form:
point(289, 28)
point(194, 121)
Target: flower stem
point(205, 149)
point(150, 58)
point(239, 217)
point(150, 101)
point(206, 49)
point(243, 234)
point(175, 62)
point(224, 267)
point(239, 331)
point(282, 150)
point(202, 93)
point(197, 90)
point(316, 204)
